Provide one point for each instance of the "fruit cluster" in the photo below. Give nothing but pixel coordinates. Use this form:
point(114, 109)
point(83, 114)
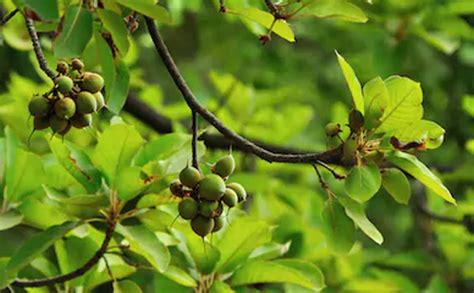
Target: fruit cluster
point(204, 197)
point(72, 100)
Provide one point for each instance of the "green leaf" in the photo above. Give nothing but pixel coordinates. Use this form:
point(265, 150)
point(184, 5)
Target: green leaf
point(10, 219)
point(75, 34)
point(100, 274)
point(280, 27)
point(376, 101)
point(338, 9)
point(396, 184)
point(41, 215)
point(46, 9)
point(79, 199)
point(126, 286)
point(424, 131)
point(239, 240)
point(220, 287)
point(337, 227)
point(300, 273)
point(468, 104)
point(363, 182)
point(4, 278)
point(36, 245)
point(356, 212)
point(404, 104)
point(145, 243)
point(77, 163)
point(115, 24)
point(353, 83)
point(180, 276)
point(417, 169)
point(148, 8)
point(115, 150)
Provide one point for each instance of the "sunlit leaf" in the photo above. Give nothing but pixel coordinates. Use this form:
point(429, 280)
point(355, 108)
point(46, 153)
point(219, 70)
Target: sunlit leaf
point(363, 182)
point(339, 9)
point(10, 219)
point(115, 24)
point(427, 132)
point(267, 20)
point(397, 185)
point(75, 34)
point(353, 84)
point(337, 227)
point(376, 100)
point(148, 8)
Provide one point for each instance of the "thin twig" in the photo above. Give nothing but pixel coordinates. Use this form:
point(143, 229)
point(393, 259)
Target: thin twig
point(222, 6)
point(7, 17)
point(331, 156)
point(333, 172)
point(194, 144)
point(323, 183)
point(274, 9)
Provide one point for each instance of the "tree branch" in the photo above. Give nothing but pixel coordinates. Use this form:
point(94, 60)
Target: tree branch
point(5, 19)
point(194, 129)
point(332, 156)
point(222, 6)
point(274, 9)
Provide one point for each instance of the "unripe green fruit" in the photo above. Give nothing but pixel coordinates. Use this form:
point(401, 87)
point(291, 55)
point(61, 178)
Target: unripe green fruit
point(62, 67)
point(239, 190)
point(230, 198)
point(65, 108)
point(74, 74)
point(65, 84)
point(190, 176)
point(77, 64)
point(207, 208)
point(57, 124)
point(332, 129)
point(211, 187)
point(356, 120)
point(40, 123)
point(202, 225)
point(85, 103)
point(39, 106)
point(66, 130)
point(99, 98)
point(176, 188)
point(81, 120)
point(218, 223)
point(188, 208)
point(92, 82)
point(224, 167)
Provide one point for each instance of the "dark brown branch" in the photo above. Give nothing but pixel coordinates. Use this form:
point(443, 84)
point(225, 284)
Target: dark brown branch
point(194, 129)
point(332, 156)
point(78, 272)
point(274, 9)
point(30, 25)
point(222, 6)
point(5, 19)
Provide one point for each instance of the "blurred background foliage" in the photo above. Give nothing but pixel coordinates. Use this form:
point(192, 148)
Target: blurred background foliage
point(284, 93)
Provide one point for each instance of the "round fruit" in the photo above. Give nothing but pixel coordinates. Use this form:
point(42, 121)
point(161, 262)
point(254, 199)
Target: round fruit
point(92, 82)
point(202, 225)
point(65, 84)
point(176, 188)
point(356, 120)
point(77, 64)
point(57, 124)
point(190, 176)
point(218, 223)
point(207, 208)
point(65, 108)
point(86, 103)
point(74, 74)
point(39, 106)
point(211, 187)
point(66, 130)
point(81, 120)
point(99, 98)
point(225, 166)
point(188, 208)
point(62, 67)
point(40, 123)
point(230, 198)
point(239, 190)
point(332, 129)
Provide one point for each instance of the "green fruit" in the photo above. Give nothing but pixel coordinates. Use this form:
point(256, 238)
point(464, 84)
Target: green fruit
point(224, 167)
point(190, 176)
point(176, 188)
point(99, 98)
point(77, 64)
point(92, 82)
point(74, 74)
point(218, 223)
point(57, 124)
point(39, 106)
point(40, 123)
point(356, 120)
point(211, 187)
point(86, 103)
point(239, 190)
point(332, 129)
point(188, 208)
point(207, 208)
point(202, 225)
point(81, 120)
point(65, 108)
point(65, 84)
point(230, 198)
point(62, 67)
point(66, 130)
